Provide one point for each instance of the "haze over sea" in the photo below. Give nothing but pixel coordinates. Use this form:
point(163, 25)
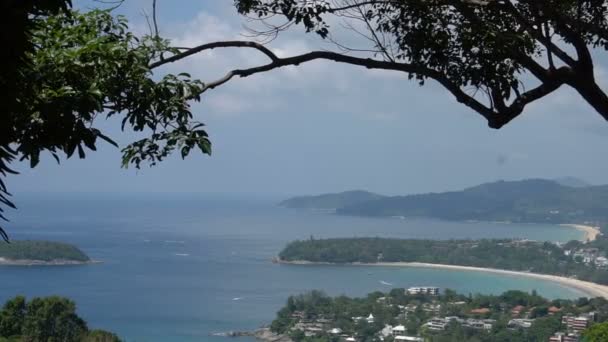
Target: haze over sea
point(179, 267)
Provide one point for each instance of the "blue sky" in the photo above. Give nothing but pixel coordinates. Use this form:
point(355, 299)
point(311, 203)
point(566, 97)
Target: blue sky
point(326, 127)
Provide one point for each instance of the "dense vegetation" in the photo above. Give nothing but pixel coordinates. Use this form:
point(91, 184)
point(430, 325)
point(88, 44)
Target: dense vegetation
point(42, 251)
point(533, 201)
point(50, 319)
point(411, 311)
point(516, 255)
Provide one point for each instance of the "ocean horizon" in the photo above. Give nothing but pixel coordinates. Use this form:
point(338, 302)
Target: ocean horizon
point(180, 267)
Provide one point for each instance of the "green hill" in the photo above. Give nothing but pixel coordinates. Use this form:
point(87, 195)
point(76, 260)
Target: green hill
point(331, 201)
point(532, 201)
point(44, 251)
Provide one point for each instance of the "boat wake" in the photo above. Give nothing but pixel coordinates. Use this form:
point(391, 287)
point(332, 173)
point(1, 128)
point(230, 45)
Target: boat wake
point(385, 283)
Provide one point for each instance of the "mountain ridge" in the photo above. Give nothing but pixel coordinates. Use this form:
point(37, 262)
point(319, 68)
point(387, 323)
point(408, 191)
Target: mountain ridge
point(530, 200)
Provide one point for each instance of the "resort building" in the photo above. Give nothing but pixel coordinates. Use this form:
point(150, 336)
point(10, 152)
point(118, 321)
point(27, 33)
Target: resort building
point(562, 337)
point(579, 323)
point(601, 261)
point(424, 290)
point(485, 324)
point(433, 308)
point(409, 338)
point(399, 330)
point(436, 324)
point(516, 311)
point(553, 310)
point(520, 323)
point(480, 311)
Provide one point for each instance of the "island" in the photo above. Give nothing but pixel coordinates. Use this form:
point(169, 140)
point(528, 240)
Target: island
point(437, 316)
point(575, 264)
point(30, 252)
point(524, 201)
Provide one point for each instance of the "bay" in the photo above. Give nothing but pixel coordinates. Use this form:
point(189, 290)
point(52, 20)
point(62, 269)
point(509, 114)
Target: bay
point(180, 267)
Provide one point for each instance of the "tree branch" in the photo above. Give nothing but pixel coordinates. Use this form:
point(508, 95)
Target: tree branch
point(496, 119)
point(214, 45)
point(154, 18)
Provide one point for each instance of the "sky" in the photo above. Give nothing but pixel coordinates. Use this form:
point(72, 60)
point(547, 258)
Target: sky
point(325, 127)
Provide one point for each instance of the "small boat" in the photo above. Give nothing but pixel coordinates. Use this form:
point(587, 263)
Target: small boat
point(237, 298)
point(385, 283)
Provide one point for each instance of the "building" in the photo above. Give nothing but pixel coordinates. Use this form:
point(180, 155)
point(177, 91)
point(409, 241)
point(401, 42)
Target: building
point(436, 324)
point(398, 330)
point(553, 310)
point(601, 261)
point(520, 323)
point(579, 323)
point(433, 308)
point(335, 331)
point(424, 290)
point(562, 337)
point(480, 311)
point(516, 311)
point(409, 338)
point(485, 324)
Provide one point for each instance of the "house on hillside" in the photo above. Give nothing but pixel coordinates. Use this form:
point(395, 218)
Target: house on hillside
point(480, 311)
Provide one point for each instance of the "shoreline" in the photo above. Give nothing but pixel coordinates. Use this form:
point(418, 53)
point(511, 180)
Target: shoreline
point(590, 232)
point(586, 287)
point(56, 262)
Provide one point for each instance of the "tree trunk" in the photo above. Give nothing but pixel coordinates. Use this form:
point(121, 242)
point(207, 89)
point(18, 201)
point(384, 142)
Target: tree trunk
point(594, 95)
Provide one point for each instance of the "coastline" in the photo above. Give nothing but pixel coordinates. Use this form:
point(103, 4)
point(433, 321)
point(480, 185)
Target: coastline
point(587, 287)
point(591, 232)
point(56, 262)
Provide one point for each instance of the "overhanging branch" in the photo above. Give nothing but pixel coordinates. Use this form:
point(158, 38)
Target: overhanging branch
point(495, 118)
point(214, 45)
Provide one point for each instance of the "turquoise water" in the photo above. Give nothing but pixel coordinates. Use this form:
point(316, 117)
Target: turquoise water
point(177, 268)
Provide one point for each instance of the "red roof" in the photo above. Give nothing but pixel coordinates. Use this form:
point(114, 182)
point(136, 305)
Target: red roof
point(518, 309)
point(480, 311)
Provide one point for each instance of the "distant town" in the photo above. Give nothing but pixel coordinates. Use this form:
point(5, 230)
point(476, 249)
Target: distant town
point(425, 314)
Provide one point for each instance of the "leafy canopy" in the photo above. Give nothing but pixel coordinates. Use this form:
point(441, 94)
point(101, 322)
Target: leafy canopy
point(50, 319)
point(494, 56)
point(86, 67)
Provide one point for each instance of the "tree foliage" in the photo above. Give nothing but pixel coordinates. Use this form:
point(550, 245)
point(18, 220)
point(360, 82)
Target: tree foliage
point(83, 67)
point(482, 51)
point(545, 258)
point(42, 250)
point(49, 319)
point(596, 333)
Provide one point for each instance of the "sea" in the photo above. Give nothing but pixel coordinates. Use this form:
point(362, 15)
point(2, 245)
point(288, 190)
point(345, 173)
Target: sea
point(182, 267)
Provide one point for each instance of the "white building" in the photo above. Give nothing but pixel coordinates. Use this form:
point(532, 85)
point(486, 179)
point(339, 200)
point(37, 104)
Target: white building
point(425, 290)
point(399, 330)
point(370, 318)
point(601, 261)
point(409, 338)
point(436, 324)
point(520, 323)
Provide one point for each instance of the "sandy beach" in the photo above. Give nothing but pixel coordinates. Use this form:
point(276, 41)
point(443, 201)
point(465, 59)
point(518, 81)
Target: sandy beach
point(586, 287)
point(591, 232)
